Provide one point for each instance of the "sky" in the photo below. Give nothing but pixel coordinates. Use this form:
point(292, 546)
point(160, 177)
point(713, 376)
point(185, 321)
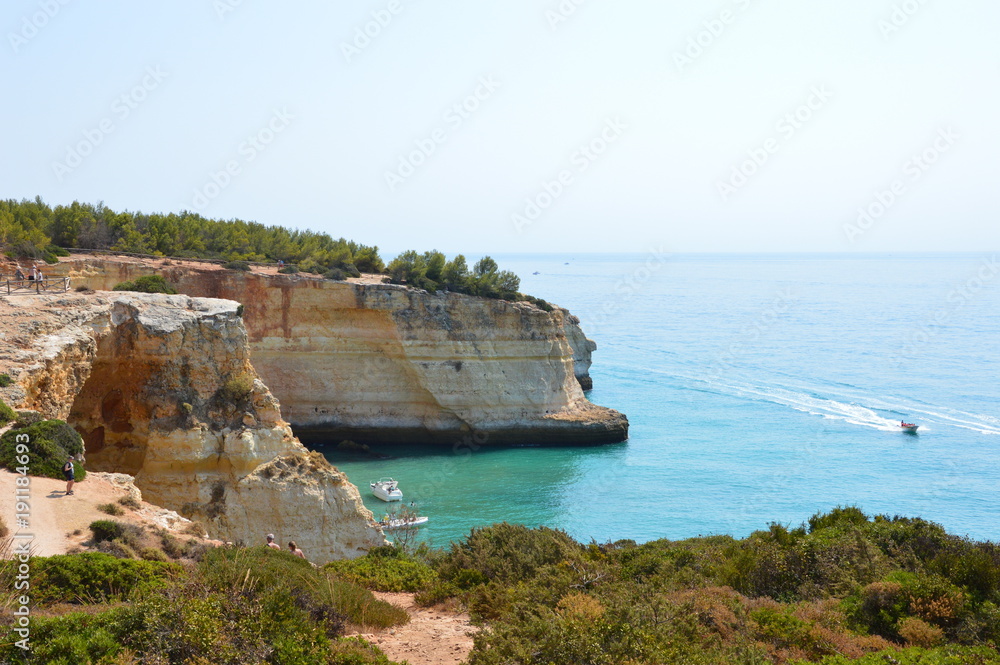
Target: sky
point(521, 126)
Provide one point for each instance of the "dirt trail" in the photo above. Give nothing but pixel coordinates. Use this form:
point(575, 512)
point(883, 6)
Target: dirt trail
point(434, 636)
point(54, 516)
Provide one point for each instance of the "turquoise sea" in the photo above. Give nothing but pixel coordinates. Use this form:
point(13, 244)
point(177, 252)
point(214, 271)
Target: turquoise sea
point(759, 388)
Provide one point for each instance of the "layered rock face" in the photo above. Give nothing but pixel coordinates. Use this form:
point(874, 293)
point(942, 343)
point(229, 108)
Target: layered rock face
point(382, 363)
point(162, 388)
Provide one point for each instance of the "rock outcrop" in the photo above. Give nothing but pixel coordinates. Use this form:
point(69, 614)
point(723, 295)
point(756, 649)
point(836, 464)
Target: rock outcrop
point(162, 388)
point(381, 363)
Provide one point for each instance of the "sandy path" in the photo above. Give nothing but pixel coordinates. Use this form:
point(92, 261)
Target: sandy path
point(54, 516)
point(434, 636)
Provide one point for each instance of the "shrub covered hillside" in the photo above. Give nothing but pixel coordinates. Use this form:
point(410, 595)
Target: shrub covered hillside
point(234, 607)
point(34, 230)
point(843, 589)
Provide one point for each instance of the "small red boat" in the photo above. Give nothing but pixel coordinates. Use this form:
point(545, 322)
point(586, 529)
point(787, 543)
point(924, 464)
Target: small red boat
point(908, 427)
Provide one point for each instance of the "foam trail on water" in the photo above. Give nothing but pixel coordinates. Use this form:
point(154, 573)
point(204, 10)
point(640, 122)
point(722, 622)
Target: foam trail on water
point(852, 407)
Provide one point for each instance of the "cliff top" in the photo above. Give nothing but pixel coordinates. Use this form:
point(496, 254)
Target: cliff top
point(207, 266)
point(27, 320)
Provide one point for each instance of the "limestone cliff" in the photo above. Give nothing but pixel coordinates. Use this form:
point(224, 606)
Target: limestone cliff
point(582, 350)
point(381, 363)
point(162, 388)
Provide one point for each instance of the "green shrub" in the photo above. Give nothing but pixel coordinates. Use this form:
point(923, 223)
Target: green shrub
point(430, 271)
point(236, 389)
point(763, 565)
point(187, 623)
point(106, 530)
point(110, 530)
point(147, 284)
point(356, 651)
point(153, 554)
point(849, 515)
point(129, 502)
point(26, 417)
point(118, 548)
point(539, 303)
point(384, 573)
point(361, 607)
point(72, 639)
point(438, 592)
point(780, 628)
point(227, 568)
point(173, 546)
point(950, 655)
point(111, 509)
point(508, 553)
point(336, 274)
point(94, 577)
point(5, 380)
point(930, 597)
point(242, 266)
point(7, 414)
point(50, 443)
point(288, 270)
point(919, 633)
point(56, 251)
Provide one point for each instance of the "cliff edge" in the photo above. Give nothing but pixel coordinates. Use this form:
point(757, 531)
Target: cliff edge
point(378, 363)
point(162, 388)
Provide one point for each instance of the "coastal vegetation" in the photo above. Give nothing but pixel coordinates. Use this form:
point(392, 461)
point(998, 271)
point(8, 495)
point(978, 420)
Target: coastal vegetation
point(31, 229)
point(232, 606)
point(7, 414)
point(844, 588)
point(432, 271)
point(49, 443)
point(146, 284)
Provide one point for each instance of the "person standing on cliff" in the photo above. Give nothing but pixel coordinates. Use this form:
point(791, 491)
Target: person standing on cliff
point(294, 549)
point(270, 542)
point(70, 472)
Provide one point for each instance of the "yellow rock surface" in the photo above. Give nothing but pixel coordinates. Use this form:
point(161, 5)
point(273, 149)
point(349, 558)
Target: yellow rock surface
point(162, 388)
point(377, 362)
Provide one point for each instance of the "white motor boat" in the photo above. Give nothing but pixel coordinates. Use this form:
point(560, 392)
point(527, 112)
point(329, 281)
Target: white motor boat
point(387, 489)
point(402, 522)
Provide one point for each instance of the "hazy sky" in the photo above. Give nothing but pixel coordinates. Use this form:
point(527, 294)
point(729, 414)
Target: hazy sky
point(522, 125)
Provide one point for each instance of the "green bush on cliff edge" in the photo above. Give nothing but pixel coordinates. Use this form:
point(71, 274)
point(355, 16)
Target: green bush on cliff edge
point(49, 443)
point(147, 284)
point(7, 414)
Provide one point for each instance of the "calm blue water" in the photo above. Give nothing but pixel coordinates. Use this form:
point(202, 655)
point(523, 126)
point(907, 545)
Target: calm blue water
point(759, 389)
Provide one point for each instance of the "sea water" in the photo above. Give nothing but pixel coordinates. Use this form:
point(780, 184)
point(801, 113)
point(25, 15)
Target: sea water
point(758, 389)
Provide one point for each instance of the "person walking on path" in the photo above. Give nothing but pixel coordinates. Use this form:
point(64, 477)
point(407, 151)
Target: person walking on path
point(294, 549)
point(270, 542)
point(70, 472)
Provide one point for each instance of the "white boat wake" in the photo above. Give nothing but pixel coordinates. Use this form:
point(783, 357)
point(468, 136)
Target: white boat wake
point(831, 409)
point(880, 413)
